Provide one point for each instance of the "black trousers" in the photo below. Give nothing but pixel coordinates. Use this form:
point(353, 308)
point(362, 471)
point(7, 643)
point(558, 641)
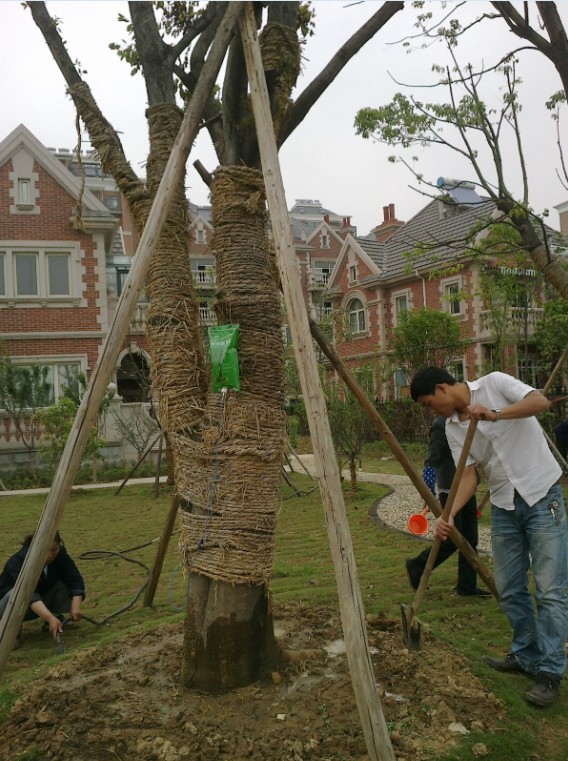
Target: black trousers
point(466, 524)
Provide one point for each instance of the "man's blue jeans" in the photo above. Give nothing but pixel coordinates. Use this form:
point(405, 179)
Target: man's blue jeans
point(536, 536)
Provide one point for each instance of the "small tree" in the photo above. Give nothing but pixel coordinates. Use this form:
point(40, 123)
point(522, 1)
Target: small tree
point(427, 337)
point(350, 425)
point(24, 392)
point(57, 422)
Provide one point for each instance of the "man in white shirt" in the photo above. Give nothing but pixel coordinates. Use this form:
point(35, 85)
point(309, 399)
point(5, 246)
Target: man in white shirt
point(528, 517)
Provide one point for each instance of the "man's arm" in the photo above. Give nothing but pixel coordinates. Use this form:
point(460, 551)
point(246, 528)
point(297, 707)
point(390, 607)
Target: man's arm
point(466, 490)
point(532, 404)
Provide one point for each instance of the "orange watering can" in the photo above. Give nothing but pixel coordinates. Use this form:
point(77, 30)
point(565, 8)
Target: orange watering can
point(418, 523)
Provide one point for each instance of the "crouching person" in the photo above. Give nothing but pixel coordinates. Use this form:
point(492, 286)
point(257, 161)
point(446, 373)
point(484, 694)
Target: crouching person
point(60, 589)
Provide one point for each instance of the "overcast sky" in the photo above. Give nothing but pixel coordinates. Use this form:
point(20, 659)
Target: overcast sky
point(323, 159)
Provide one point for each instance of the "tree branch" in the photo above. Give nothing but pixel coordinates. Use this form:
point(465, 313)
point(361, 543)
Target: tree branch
point(328, 74)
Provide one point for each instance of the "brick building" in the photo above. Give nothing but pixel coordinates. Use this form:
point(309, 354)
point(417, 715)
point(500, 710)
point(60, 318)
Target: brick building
point(425, 263)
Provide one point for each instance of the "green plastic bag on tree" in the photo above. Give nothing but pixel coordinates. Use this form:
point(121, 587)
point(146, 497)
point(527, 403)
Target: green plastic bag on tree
point(223, 340)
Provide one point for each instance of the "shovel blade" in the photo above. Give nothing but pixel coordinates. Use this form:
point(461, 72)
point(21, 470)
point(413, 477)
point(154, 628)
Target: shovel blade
point(411, 635)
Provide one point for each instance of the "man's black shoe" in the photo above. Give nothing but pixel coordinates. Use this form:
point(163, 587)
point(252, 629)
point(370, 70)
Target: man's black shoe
point(413, 577)
point(509, 663)
point(544, 691)
point(477, 592)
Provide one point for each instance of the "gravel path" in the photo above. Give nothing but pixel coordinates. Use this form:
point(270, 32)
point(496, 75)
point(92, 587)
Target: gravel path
point(395, 509)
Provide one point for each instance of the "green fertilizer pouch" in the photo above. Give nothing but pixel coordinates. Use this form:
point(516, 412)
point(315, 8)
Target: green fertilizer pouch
point(223, 341)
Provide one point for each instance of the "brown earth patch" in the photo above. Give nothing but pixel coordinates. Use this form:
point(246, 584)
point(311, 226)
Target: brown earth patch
point(123, 701)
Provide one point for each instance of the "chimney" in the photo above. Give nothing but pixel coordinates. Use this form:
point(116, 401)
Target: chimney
point(346, 221)
point(388, 226)
point(326, 218)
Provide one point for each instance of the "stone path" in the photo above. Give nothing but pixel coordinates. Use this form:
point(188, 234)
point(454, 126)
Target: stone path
point(395, 509)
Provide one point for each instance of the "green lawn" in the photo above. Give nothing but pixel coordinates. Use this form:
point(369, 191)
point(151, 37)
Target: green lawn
point(99, 521)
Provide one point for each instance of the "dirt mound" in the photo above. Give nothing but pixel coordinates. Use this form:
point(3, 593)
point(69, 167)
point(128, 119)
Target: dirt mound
point(124, 701)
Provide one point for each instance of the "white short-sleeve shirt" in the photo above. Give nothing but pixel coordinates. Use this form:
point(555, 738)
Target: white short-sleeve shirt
point(514, 453)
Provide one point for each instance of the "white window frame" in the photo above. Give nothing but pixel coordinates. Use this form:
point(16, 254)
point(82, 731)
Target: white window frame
point(9, 254)
point(56, 387)
point(358, 313)
point(200, 234)
point(352, 273)
point(459, 374)
point(25, 193)
point(449, 302)
point(397, 298)
point(324, 240)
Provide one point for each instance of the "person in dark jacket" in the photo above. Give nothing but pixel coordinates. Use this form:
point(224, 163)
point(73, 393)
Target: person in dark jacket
point(60, 588)
point(441, 460)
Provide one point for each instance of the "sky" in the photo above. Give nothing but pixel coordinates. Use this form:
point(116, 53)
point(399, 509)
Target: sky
point(323, 159)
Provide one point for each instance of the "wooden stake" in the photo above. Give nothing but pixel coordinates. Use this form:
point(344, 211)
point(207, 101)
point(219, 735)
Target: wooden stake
point(373, 723)
point(161, 553)
point(72, 454)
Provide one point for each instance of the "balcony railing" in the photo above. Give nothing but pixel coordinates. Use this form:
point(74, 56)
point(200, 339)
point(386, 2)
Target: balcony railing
point(323, 313)
point(318, 279)
point(207, 316)
point(204, 277)
point(138, 321)
point(517, 318)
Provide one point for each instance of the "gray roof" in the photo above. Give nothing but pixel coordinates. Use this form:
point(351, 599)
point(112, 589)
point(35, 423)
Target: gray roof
point(442, 226)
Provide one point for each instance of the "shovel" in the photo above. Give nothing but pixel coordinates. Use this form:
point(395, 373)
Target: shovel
point(411, 626)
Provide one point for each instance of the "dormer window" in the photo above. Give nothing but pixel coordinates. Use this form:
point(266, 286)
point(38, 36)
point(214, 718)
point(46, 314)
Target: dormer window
point(200, 237)
point(24, 193)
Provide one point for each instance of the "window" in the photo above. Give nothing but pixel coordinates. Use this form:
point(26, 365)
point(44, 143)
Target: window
point(353, 273)
point(58, 274)
point(121, 275)
point(61, 378)
point(457, 369)
point(112, 202)
point(357, 319)
point(44, 274)
point(324, 240)
point(400, 304)
point(24, 193)
point(401, 385)
point(452, 297)
point(25, 273)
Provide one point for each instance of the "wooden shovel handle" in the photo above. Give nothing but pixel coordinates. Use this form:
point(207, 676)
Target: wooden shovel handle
point(445, 515)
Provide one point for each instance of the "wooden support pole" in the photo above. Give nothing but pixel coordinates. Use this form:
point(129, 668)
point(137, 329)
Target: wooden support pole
point(161, 553)
point(73, 452)
point(376, 734)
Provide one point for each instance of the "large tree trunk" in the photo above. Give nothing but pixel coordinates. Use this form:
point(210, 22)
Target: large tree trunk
point(229, 514)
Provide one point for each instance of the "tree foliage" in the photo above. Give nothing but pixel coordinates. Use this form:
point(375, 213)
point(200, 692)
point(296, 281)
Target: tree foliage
point(350, 425)
point(464, 123)
point(427, 337)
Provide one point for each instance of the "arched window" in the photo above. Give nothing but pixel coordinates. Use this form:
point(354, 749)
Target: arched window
point(133, 378)
point(357, 319)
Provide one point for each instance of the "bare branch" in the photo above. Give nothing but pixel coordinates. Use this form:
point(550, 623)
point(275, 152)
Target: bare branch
point(329, 73)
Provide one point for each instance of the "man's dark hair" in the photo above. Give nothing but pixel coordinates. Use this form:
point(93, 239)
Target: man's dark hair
point(426, 380)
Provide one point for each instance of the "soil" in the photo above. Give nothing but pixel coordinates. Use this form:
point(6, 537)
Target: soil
point(123, 701)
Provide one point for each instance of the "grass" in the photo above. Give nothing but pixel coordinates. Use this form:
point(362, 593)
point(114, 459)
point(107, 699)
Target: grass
point(98, 520)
